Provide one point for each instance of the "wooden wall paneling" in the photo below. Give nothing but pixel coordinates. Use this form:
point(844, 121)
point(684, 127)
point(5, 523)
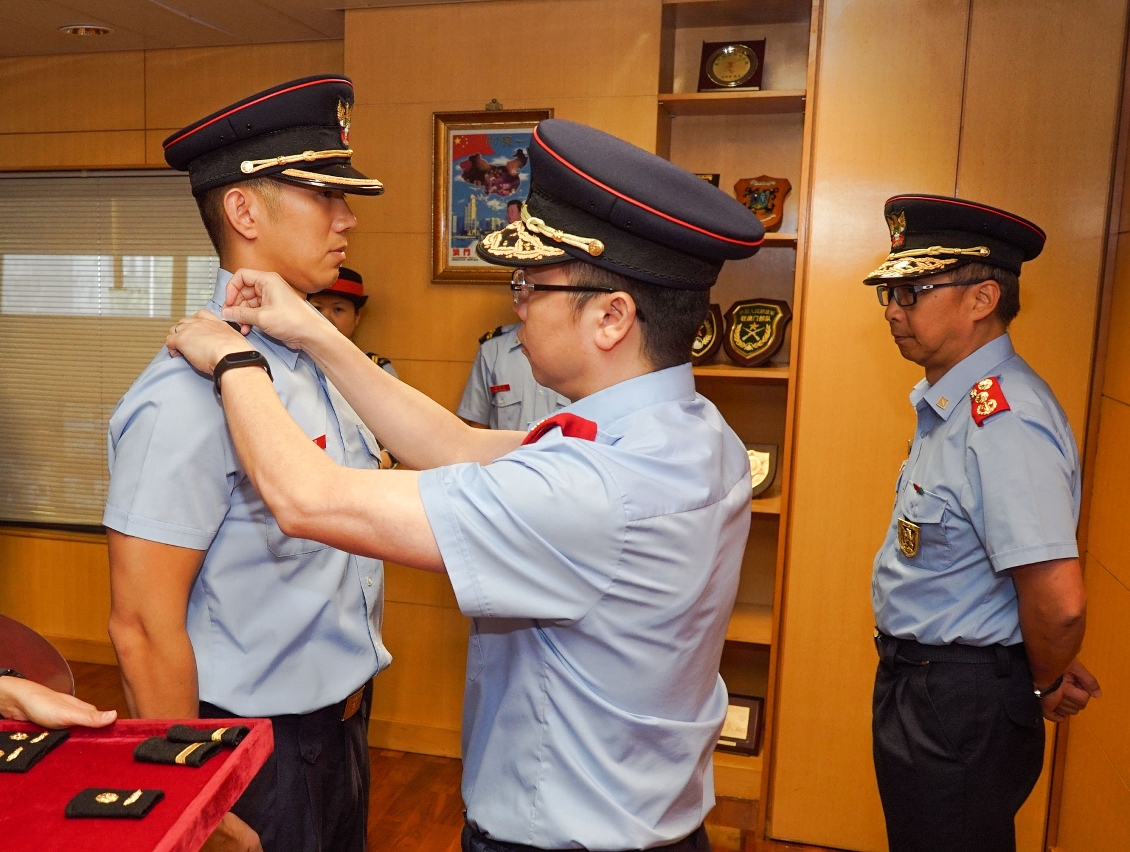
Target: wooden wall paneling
point(106, 149)
point(1095, 807)
point(1111, 494)
point(1116, 375)
point(57, 583)
point(417, 701)
point(86, 91)
point(186, 84)
point(1009, 159)
point(823, 788)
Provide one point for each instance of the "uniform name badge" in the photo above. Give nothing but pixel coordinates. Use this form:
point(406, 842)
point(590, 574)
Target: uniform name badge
point(908, 538)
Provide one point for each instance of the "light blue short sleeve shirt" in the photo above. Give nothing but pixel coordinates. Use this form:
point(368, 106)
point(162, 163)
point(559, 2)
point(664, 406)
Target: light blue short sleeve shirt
point(985, 499)
point(600, 576)
point(501, 391)
point(278, 625)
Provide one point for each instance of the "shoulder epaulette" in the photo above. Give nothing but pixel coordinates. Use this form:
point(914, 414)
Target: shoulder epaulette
point(987, 399)
point(491, 334)
point(377, 359)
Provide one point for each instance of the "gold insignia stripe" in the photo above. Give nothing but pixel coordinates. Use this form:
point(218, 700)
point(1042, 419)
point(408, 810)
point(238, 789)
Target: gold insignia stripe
point(538, 226)
point(180, 758)
point(14, 755)
point(134, 796)
point(249, 167)
point(218, 735)
point(333, 180)
point(40, 738)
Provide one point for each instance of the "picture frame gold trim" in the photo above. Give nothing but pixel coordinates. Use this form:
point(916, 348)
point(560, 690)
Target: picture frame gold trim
point(478, 122)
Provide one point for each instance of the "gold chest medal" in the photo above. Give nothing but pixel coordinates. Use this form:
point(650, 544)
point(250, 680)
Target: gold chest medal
point(908, 538)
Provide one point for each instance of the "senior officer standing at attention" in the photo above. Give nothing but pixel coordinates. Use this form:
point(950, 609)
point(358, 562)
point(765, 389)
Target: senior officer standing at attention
point(978, 593)
point(599, 554)
point(211, 600)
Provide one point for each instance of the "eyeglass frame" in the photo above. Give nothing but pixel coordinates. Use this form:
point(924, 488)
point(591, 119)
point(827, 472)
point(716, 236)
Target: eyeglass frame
point(520, 288)
point(889, 290)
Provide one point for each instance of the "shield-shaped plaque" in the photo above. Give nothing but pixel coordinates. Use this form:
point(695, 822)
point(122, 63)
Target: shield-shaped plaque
point(755, 329)
point(709, 337)
point(762, 466)
point(765, 197)
point(908, 538)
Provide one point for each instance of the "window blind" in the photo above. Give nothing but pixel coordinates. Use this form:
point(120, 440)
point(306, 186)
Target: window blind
point(94, 267)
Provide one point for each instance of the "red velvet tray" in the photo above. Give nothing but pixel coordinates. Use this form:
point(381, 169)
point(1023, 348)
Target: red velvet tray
point(32, 803)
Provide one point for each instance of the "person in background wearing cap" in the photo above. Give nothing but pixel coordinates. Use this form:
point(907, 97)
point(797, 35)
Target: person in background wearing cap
point(978, 593)
point(501, 391)
point(599, 554)
point(216, 611)
point(341, 304)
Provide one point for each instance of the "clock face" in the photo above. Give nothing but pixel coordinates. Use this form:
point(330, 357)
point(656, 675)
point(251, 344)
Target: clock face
point(731, 65)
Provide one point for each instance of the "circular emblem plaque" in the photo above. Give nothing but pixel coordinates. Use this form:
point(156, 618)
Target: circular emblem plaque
point(731, 66)
point(755, 329)
point(709, 337)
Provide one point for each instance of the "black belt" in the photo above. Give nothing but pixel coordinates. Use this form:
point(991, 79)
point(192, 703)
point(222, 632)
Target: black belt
point(696, 841)
point(892, 649)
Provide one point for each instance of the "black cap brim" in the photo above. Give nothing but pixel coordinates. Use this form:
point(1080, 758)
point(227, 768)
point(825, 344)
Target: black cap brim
point(340, 176)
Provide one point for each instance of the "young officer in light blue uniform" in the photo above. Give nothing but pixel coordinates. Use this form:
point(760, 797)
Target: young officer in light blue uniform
point(599, 554)
point(501, 392)
point(977, 590)
point(280, 627)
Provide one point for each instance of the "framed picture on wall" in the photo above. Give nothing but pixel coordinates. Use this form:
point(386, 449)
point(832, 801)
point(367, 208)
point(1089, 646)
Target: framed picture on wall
point(481, 177)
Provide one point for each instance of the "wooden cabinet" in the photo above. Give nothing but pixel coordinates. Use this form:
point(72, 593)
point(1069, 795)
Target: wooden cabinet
point(740, 135)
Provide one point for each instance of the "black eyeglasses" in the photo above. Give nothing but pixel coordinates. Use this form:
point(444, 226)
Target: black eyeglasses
point(907, 294)
point(520, 288)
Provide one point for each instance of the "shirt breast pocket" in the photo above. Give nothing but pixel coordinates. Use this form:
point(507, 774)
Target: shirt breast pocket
point(282, 545)
point(507, 409)
point(924, 543)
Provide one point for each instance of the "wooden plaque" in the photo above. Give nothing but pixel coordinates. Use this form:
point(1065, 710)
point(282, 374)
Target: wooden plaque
point(762, 466)
point(745, 720)
point(708, 340)
point(755, 329)
point(765, 197)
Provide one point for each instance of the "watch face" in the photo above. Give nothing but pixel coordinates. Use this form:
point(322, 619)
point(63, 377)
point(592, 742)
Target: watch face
point(731, 66)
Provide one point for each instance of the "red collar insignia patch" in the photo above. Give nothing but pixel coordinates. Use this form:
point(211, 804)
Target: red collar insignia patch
point(987, 399)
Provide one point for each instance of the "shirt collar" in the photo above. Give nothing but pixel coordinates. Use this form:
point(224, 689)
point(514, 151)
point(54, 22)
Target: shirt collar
point(609, 405)
point(955, 384)
point(287, 355)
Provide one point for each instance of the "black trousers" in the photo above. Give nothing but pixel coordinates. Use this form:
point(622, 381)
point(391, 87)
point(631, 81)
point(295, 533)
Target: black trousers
point(474, 840)
point(958, 741)
point(312, 794)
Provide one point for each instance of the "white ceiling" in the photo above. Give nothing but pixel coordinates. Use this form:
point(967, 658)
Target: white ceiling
point(30, 27)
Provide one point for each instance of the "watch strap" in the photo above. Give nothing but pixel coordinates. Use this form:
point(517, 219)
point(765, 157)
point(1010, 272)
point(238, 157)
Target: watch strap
point(1048, 690)
point(10, 673)
point(248, 358)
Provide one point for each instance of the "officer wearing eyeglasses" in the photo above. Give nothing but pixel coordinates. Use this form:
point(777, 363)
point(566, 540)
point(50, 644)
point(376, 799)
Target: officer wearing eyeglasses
point(599, 554)
point(977, 590)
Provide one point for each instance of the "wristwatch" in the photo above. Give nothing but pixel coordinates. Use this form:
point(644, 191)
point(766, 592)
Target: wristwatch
point(1048, 690)
point(250, 358)
point(10, 673)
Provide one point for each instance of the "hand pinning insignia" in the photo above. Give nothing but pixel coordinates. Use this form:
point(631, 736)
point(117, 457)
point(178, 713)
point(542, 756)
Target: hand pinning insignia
point(987, 399)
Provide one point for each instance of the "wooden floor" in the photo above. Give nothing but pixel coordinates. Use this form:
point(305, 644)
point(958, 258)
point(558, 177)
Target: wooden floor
point(414, 803)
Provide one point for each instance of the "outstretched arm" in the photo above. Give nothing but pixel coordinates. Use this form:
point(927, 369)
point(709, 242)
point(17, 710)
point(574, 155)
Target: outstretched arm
point(368, 512)
point(27, 701)
point(415, 429)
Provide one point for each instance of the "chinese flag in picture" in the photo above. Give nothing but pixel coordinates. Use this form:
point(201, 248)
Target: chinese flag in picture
point(466, 144)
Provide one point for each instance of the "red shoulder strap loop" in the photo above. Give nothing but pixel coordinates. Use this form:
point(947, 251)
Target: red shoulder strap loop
point(571, 426)
point(987, 399)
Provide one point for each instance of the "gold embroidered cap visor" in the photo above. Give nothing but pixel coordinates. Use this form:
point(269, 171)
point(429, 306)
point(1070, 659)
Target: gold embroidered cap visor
point(932, 234)
point(296, 132)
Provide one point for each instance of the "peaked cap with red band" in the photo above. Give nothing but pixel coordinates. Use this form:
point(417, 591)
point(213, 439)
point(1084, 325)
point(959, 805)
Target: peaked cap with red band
point(297, 132)
point(350, 285)
point(934, 233)
point(597, 198)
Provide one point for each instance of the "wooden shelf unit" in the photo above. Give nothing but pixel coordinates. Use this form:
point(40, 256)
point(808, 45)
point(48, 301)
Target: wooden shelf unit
point(738, 135)
point(767, 102)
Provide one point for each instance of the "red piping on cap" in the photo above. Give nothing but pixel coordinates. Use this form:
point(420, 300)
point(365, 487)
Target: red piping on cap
point(258, 101)
point(1016, 219)
point(641, 205)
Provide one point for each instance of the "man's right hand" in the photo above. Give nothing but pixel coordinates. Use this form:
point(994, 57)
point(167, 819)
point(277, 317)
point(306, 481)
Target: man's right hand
point(1079, 687)
point(266, 301)
point(232, 835)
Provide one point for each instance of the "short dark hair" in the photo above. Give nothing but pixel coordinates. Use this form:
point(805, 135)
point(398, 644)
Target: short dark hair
point(669, 318)
point(1009, 282)
point(517, 201)
point(211, 205)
